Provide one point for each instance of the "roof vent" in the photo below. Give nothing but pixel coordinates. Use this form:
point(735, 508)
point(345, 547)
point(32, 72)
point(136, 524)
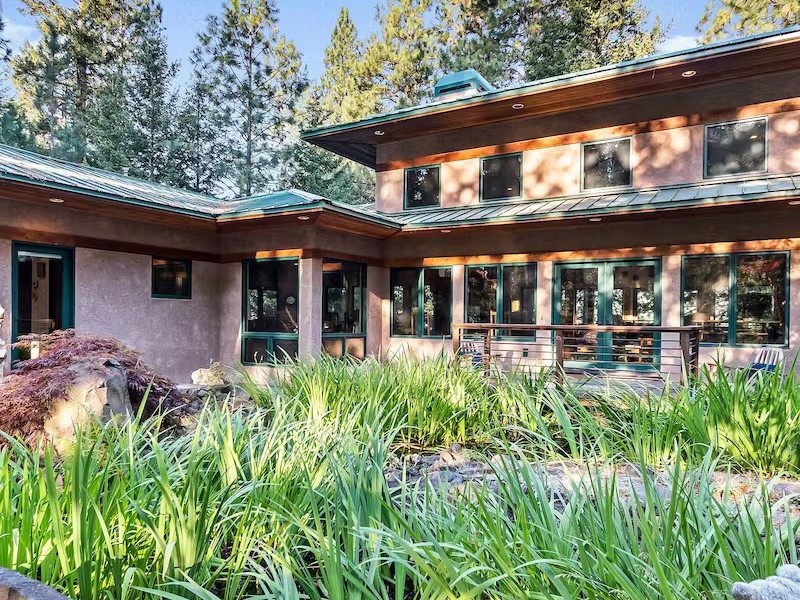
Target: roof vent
point(460, 85)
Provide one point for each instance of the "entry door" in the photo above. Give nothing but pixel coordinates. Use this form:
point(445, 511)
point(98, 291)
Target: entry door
point(43, 285)
point(608, 293)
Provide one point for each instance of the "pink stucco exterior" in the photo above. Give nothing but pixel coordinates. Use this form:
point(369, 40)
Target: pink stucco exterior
point(5, 293)
point(112, 297)
point(658, 158)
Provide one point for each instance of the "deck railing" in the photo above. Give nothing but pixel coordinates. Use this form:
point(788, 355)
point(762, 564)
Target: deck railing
point(635, 351)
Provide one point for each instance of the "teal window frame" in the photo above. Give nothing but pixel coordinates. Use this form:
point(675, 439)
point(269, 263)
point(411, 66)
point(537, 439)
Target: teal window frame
point(499, 294)
point(270, 336)
point(153, 294)
point(420, 303)
point(605, 290)
point(519, 177)
point(349, 336)
point(67, 254)
point(707, 126)
point(733, 303)
point(405, 187)
point(626, 186)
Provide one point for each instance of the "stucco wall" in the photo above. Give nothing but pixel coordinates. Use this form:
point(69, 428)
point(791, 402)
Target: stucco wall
point(668, 157)
point(112, 297)
point(5, 293)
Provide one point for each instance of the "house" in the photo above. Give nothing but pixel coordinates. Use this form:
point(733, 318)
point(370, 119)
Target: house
point(652, 195)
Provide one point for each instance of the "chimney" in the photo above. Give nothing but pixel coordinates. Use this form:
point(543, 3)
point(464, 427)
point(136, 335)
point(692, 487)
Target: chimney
point(461, 85)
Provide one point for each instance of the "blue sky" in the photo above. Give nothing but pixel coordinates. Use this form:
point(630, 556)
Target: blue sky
point(309, 23)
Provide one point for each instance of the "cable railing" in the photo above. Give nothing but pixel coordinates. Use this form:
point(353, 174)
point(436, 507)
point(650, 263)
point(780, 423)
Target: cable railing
point(619, 350)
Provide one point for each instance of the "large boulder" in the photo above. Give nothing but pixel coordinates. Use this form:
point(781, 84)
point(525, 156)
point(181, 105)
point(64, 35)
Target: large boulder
point(14, 586)
point(96, 393)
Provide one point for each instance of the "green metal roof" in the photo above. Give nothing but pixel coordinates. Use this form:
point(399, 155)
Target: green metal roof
point(753, 187)
point(58, 175)
point(658, 60)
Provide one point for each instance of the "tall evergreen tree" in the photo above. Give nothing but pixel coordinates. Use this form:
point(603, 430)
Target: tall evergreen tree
point(733, 18)
point(198, 150)
point(258, 78)
point(533, 39)
point(80, 46)
point(404, 54)
point(152, 102)
point(347, 91)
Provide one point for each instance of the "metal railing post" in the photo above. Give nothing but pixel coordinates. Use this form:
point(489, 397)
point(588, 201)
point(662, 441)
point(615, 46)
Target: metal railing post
point(559, 357)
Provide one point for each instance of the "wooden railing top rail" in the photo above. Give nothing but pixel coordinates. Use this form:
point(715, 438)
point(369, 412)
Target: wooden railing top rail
point(612, 328)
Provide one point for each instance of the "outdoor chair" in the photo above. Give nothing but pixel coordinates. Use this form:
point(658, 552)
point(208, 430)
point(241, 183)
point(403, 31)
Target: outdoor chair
point(767, 360)
point(472, 350)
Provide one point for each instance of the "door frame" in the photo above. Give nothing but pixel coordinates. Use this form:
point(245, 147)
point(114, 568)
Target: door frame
point(605, 288)
point(67, 254)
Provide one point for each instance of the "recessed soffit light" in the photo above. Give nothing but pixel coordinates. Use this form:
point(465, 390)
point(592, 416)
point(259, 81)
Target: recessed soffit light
point(446, 230)
point(518, 106)
point(689, 73)
point(57, 200)
point(380, 132)
point(595, 219)
point(794, 202)
point(303, 217)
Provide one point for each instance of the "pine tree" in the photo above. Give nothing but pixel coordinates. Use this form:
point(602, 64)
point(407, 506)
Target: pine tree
point(527, 40)
point(733, 18)
point(152, 102)
point(59, 77)
point(109, 126)
point(198, 150)
point(573, 35)
point(405, 54)
point(258, 79)
point(347, 92)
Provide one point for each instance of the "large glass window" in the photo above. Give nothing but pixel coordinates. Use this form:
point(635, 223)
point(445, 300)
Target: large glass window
point(270, 311)
point(607, 164)
point(706, 296)
point(502, 294)
point(422, 187)
point(431, 289)
point(172, 278)
point(343, 300)
point(501, 177)
point(737, 299)
point(736, 147)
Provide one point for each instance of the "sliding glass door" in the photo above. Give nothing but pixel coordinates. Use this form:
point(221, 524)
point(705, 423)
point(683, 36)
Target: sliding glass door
point(622, 293)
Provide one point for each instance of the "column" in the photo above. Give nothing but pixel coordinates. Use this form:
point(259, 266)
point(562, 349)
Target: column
point(378, 310)
point(309, 313)
point(544, 292)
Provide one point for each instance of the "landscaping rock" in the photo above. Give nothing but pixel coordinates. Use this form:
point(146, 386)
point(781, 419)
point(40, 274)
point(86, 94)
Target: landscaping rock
point(785, 585)
point(213, 376)
point(96, 393)
point(14, 586)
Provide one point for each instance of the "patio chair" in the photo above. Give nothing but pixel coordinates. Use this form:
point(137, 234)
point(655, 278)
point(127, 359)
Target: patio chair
point(473, 350)
point(767, 360)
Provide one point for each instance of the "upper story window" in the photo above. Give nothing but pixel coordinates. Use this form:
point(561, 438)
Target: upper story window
point(736, 147)
point(422, 187)
point(172, 278)
point(607, 164)
point(501, 177)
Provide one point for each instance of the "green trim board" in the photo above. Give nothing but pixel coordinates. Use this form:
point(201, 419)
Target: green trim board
point(420, 318)
point(605, 286)
point(482, 176)
point(765, 118)
point(733, 295)
point(270, 336)
point(438, 168)
point(642, 64)
point(67, 255)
